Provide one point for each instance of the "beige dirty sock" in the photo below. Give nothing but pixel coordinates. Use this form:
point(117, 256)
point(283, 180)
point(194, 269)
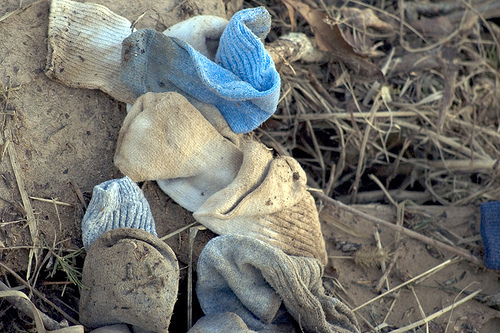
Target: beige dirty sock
point(268, 200)
point(129, 277)
point(234, 186)
point(165, 138)
point(85, 43)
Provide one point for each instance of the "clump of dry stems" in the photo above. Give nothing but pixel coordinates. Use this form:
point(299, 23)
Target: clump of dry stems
point(429, 130)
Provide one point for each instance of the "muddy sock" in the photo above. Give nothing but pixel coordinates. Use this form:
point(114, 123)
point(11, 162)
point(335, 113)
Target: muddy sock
point(232, 187)
point(117, 203)
point(165, 138)
point(129, 277)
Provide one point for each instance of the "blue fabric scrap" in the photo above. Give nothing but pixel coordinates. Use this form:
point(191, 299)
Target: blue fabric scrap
point(242, 82)
point(490, 233)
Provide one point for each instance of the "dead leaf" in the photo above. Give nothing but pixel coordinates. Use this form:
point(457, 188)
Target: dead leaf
point(329, 38)
point(291, 14)
point(437, 26)
point(365, 18)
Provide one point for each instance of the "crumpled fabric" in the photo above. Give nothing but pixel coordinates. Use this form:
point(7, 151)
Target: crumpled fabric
point(221, 322)
point(116, 203)
point(85, 50)
point(233, 184)
point(490, 233)
point(244, 284)
point(163, 137)
point(232, 187)
point(201, 32)
point(246, 277)
point(129, 277)
point(242, 82)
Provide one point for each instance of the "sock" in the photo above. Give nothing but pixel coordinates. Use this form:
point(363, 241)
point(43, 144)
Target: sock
point(117, 203)
point(201, 32)
point(242, 82)
point(129, 277)
point(85, 47)
point(266, 288)
point(165, 138)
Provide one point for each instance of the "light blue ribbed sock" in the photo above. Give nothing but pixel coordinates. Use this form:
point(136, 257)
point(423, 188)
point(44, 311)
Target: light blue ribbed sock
point(117, 203)
point(242, 82)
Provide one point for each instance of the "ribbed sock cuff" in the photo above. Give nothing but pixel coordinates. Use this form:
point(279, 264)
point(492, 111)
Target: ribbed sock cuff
point(117, 203)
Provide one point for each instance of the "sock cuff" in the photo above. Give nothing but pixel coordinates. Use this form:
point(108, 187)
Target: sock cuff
point(86, 38)
point(117, 203)
point(242, 52)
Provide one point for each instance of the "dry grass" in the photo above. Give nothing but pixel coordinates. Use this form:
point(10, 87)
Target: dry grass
point(431, 127)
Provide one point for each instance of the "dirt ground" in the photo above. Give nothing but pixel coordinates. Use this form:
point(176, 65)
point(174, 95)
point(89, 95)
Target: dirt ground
point(58, 143)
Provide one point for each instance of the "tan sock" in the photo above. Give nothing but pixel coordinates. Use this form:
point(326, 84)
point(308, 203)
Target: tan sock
point(165, 138)
point(233, 186)
point(268, 200)
point(129, 277)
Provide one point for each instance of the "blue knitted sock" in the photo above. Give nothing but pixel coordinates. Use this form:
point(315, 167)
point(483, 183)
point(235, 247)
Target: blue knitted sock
point(243, 82)
point(117, 203)
point(490, 233)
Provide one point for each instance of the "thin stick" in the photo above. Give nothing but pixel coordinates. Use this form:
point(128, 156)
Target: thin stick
point(39, 294)
point(30, 216)
point(436, 314)
point(430, 271)
point(362, 150)
point(78, 193)
point(192, 235)
point(422, 312)
point(391, 307)
point(378, 287)
point(178, 231)
point(23, 305)
point(52, 201)
point(403, 230)
point(347, 115)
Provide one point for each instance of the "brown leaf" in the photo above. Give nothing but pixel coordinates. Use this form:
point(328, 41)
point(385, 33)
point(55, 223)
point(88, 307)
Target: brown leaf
point(437, 26)
point(329, 38)
point(291, 14)
point(365, 18)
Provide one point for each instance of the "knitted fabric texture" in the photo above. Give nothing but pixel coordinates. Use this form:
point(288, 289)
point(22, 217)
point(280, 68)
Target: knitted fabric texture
point(117, 203)
point(231, 187)
point(490, 233)
point(267, 288)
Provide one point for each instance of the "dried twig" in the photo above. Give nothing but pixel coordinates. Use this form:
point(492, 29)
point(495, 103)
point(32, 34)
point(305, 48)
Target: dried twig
point(436, 314)
point(52, 201)
point(30, 216)
point(40, 295)
point(403, 230)
point(426, 273)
